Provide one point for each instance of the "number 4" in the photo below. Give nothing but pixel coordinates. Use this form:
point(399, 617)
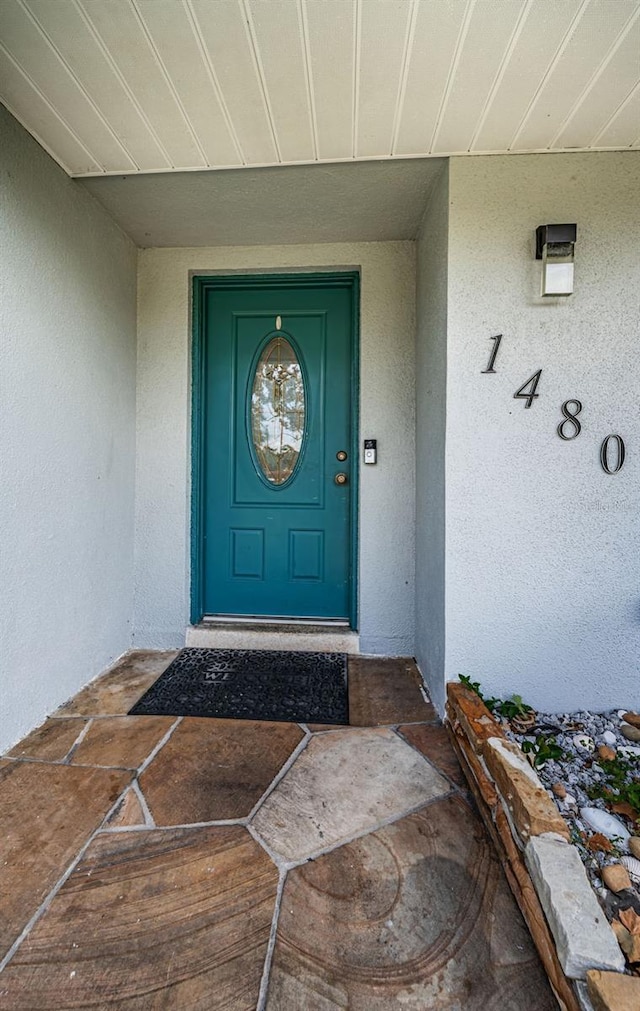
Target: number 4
point(529, 395)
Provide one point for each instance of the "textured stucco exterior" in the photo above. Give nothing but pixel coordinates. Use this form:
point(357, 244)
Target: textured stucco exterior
point(543, 547)
point(387, 490)
point(431, 382)
point(487, 545)
point(67, 377)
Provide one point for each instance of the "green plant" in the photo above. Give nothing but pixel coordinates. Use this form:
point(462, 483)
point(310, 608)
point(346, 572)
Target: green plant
point(622, 784)
point(514, 707)
point(543, 749)
point(474, 686)
point(509, 708)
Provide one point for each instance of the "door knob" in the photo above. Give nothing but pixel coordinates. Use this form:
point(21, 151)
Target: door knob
point(341, 478)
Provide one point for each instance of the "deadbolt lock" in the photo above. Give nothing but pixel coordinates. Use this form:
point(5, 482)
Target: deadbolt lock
point(341, 455)
point(341, 478)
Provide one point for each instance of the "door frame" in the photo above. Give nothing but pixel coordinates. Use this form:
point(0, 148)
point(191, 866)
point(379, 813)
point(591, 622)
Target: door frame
point(201, 284)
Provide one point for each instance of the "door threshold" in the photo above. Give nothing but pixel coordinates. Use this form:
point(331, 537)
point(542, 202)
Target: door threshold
point(260, 621)
point(304, 638)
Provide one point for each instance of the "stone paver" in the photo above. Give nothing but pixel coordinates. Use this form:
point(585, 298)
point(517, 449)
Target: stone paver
point(342, 785)
point(385, 690)
point(215, 770)
point(51, 742)
point(584, 939)
point(169, 919)
point(416, 915)
point(434, 743)
point(116, 691)
point(47, 813)
point(413, 914)
point(121, 741)
point(129, 812)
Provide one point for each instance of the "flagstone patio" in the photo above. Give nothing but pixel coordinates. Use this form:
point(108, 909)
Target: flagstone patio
point(157, 863)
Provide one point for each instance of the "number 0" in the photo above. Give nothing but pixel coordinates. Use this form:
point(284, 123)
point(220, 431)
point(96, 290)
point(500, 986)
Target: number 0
point(604, 454)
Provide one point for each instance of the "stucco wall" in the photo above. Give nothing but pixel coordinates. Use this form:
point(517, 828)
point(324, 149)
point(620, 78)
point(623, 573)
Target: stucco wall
point(431, 365)
point(543, 547)
point(386, 413)
point(67, 395)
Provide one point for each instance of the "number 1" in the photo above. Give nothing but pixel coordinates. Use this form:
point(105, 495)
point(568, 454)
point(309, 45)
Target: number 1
point(494, 352)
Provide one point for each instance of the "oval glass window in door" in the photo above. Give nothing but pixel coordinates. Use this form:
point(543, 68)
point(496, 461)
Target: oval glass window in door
point(278, 411)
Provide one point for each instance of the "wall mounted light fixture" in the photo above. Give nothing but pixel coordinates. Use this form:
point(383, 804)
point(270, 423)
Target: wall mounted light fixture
point(554, 246)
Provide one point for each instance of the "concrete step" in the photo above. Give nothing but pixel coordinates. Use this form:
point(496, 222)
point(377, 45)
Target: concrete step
point(273, 635)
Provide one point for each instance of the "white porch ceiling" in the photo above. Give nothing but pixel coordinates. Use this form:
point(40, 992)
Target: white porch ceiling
point(139, 86)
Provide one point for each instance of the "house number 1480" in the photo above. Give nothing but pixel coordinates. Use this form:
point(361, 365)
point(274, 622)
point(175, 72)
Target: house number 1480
point(569, 428)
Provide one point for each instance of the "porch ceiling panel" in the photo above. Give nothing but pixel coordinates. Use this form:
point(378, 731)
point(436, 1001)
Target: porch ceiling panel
point(136, 86)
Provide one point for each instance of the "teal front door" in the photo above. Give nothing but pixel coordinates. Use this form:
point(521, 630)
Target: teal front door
point(275, 377)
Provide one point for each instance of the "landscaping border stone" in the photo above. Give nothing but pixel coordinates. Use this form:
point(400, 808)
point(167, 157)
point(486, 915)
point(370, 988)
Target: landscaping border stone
point(531, 811)
point(544, 870)
point(610, 991)
point(584, 939)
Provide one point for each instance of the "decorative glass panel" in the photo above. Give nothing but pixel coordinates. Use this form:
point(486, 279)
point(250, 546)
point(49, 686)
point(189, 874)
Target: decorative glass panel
point(278, 411)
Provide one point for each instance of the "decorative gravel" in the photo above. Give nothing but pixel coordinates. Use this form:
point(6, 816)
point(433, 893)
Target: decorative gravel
point(577, 773)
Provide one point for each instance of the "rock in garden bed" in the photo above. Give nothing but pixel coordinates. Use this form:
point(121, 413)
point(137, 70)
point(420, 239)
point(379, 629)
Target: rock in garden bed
point(590, 765)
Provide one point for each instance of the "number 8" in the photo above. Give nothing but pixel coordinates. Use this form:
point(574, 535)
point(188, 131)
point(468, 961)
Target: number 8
point(573, 418)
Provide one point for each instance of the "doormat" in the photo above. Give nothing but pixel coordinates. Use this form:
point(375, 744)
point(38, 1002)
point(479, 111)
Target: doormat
point(251, 684)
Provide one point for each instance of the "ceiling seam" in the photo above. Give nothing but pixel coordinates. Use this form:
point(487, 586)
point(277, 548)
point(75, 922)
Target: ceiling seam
point(613, 49)
point(51, 107)
point(453, 69)
point(614, 116)
point(304, 29)
point(257, 62)
point(412, 19)
point(502, 69)
point(167, 77)
point(77, 81)
point(442, 156)
point(213, 77)
point(357, 42)
point(43, 144)
point(568, 35)
point(123, 81)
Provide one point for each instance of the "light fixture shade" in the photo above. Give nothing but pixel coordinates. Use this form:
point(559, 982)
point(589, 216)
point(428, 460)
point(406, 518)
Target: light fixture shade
point(554, 246)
